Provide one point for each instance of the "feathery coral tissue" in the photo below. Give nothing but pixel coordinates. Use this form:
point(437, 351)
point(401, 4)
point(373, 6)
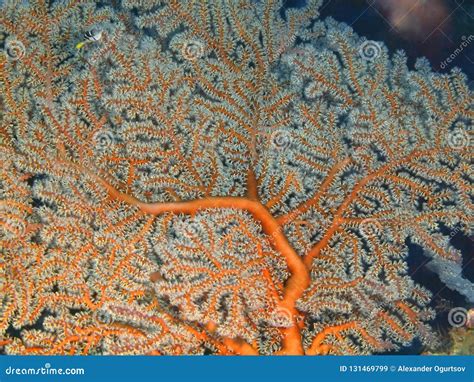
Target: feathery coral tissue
point(221, 177)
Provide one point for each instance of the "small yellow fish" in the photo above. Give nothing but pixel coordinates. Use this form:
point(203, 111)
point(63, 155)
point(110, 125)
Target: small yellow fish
point(89, 37)
point(81, 44)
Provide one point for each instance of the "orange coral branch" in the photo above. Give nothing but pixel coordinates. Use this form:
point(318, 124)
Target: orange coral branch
point(296, 283)
point(283, 219)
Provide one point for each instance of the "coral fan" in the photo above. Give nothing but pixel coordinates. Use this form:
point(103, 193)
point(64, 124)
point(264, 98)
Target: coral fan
point(221, 177)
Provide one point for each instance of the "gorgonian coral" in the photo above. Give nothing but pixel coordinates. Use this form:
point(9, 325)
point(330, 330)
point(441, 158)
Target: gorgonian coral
point(225, 177)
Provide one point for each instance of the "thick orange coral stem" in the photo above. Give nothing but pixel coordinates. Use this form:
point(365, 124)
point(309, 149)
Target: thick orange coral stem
point(296, 283)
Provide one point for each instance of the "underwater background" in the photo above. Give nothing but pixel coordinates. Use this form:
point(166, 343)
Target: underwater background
point(422, 28)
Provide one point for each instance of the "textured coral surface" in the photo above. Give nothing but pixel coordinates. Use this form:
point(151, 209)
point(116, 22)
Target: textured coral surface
point(221, 177)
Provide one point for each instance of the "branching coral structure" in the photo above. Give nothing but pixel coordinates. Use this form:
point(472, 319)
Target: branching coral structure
point(220, 177)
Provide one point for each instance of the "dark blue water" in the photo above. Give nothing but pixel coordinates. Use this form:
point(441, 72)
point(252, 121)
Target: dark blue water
point(436, 42)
